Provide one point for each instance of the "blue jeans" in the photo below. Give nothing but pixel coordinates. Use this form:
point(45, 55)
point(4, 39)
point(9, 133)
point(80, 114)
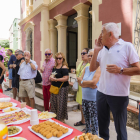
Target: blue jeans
point(118, 107)
point(10, 74)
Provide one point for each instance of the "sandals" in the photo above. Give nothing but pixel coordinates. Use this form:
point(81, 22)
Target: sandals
point(79, 123)
point(84, 130)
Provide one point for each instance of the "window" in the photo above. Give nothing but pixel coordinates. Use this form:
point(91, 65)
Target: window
point(16, 39)
point(15, 24)
point(90, 29)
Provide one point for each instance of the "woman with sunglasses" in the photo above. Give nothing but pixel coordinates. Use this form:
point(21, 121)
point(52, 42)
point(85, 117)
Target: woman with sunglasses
point(59, 101)
point(89, 82)
point(79, 72)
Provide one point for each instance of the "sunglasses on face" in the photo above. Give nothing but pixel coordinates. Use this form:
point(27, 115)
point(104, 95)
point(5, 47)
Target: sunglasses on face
point(47, 54)
point(83, 53)
point(16, 54)
point(89, 55)
point(58, 58)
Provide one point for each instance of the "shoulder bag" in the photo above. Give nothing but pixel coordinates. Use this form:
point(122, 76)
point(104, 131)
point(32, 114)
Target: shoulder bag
point(54, 89)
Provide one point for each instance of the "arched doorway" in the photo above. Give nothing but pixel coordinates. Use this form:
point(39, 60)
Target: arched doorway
point(29, 42)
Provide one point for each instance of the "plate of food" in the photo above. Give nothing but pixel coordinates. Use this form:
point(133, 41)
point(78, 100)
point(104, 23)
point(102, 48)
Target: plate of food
point(17, 138)
point(17, 117)
point(87, 136)
point(14, 130)
point(46, 115)
point(11, 109)
point(4, 105)
point(50, 130)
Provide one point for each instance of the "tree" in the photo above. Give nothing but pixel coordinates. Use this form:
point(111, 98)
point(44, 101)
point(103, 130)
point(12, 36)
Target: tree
point(4, 43)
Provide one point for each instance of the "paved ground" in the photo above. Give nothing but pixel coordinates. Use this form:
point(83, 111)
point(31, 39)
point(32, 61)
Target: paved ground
point(75, 116)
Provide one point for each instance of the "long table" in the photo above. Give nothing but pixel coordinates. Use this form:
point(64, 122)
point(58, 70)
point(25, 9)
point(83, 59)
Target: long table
point(26, 133)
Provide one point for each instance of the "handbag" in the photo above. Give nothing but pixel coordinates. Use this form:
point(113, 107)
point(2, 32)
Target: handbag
point(54, 89)
point(75, 84)
point(38, 78)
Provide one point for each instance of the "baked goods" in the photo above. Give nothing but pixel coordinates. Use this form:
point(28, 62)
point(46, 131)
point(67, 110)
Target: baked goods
point(9, 118)
point(10, 109)
point(50, 129)
point(88, 136)
point(4, 105)
point(46, 115)
point(12, 130)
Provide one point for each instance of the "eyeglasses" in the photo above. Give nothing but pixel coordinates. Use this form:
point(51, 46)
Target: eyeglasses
point(89, 55)
point(83, 53)
point(48, 54)
point(16, 54)
point(58, 58)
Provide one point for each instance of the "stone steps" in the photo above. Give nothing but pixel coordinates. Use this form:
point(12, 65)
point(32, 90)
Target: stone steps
point(72, 105)
point(39, 94)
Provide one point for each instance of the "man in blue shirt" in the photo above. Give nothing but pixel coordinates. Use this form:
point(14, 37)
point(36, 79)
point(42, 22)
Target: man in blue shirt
point(27, 73)
point(10, 63)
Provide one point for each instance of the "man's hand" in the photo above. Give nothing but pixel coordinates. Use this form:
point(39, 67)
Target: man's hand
point(113, 69)
point(27, 59)
point(21, 61)
point(98, 44)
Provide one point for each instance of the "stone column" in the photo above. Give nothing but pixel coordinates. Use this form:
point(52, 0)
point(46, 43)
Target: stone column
point(96, 25)
point(82, 20)
point(53, 35)
point(62, 36)
point(44, 28)
point(27, 7)
point(30, 6)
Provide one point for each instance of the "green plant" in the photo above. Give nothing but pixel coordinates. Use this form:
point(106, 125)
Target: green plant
point(4, 43)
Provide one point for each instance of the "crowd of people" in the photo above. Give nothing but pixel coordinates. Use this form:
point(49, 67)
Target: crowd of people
point(103, 77)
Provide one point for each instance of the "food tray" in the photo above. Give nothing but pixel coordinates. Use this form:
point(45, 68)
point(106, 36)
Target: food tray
point(19, 137)
point(46, 118)
point(18, 109)
point(14, 105)
point(52, 138)
point(19, 121)
point(79, 136)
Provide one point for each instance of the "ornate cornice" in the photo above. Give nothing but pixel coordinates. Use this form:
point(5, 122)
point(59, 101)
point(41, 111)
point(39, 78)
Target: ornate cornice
point(35, 12)
point(29, 24)
point(54, 4)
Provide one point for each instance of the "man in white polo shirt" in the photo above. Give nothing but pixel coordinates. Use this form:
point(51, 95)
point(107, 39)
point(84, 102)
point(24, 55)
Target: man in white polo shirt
point(118, 60)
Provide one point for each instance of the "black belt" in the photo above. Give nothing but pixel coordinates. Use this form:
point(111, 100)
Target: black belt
point(24, 79)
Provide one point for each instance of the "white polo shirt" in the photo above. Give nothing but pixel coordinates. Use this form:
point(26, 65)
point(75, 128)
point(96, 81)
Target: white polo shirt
point(121, 54)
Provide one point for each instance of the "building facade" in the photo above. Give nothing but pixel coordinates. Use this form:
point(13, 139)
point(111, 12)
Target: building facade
point(69, 26)
point(14, 35)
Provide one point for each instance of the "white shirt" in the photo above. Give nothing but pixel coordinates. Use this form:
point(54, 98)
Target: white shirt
point(121, 54)
point(26, 72)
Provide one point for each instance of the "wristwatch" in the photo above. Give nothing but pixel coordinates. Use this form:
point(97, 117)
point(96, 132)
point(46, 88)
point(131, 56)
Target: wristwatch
point(82, 82)
point(30, 62)
point(121, 71)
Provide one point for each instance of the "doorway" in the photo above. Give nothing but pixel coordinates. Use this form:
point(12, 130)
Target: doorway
point(72, 43)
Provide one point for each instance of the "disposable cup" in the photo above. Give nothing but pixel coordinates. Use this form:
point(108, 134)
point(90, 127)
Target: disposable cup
point(23, 104)
point(34, 114)
point(34, 122)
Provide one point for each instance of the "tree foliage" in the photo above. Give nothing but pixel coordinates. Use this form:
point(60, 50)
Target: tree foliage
point(4, 43)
